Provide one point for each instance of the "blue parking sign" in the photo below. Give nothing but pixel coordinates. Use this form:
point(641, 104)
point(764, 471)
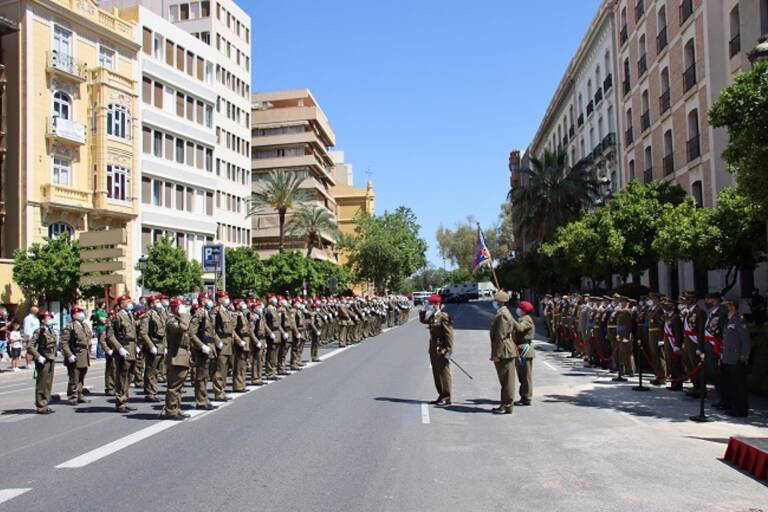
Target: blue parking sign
point(213, 258)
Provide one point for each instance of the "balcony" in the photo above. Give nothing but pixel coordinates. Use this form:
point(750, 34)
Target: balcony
point(572, 131)
point(664, 102)
point(609, 141)
point(694, 149)
point(627, 86)
point(669, 164)
point(623, 35)
point(734, 45)
point(580, 121)
point(64, 130)
point(590, 108)
point(661, 39)
point(648, 175)
point(645, 121)
point(598, 96)
point(639, 10)
point(66, 197)
point(66, 66)
point(628, 137)
point(642, 65)
point(608, 82)
point(597, 152)
point(686, 9)
point(689, 77)
point(565, 140)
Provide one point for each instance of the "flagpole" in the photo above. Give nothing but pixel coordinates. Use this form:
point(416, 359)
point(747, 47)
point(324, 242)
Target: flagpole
point(493, 270)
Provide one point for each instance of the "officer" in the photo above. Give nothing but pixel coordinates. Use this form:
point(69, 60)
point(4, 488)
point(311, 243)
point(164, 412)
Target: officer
point(122, 338)
point(694, 323)
point(503, 352)
point(440, 346)
point(315, 327)
point(299, 328)
point(76, 346)
point(203, 349)
point(106, 347)
point(241, 349)
point(274, 321)
point(673, 344)
point(224, 322)
point(165, 313)
point(178, 362)
point(735, 358)
point(152, 339)
point(259, 342)
point(289, 335)
point(42, 347)
point(345, 321)
point(522, 330)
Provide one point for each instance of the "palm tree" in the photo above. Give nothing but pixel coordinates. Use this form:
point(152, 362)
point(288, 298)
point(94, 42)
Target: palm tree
point(552, 194)
point(280, 191)
point(312, 222)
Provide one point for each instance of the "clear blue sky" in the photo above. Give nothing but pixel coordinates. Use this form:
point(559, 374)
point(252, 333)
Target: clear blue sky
point(431, 95)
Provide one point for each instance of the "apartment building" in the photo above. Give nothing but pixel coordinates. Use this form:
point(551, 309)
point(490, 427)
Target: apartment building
point(71, 162)
point(350, 200)
point(291, 133)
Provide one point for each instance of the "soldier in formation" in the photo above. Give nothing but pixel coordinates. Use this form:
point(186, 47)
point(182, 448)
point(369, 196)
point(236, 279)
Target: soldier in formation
point(440, 327)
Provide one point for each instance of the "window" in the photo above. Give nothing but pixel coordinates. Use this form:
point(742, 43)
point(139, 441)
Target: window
point(62, 47)
point(631, 170)
point(648, 160)
point(645, 117)
point(146, 139)
point(169, 147)
point(158, 46)
point(205, 10)
point(106, 57)
point(689, 65)
point(669, 155)
point(209, 160)
point(58, 228)
point(661, 37)
point(146, 90)
point(180, 151)
point(184, 12)
point(62, 172)
point(694, 149)
point(118, 183)
point(664, 99)
point(208, 116)
point(157, 144)
point(168, 194)
point(157, 193)
point(159, 95)
point(734, 45)
point(642, 63)
point(146, 190)
point(173, 13)
point(169, 52)
point(118, 121)
point(697, 191)
point(62, 105)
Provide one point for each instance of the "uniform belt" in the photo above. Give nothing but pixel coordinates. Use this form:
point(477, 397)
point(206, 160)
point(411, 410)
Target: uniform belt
point(611, 326)
point(653, 329)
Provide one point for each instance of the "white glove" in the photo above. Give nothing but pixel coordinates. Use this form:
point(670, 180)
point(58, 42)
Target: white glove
point(220, 345)
point(272, 335)
point(122, 352)
point(41, 359)
point(153, 350)
point(138, 349)
point(298, 335)
point(72, 358)
point(206, 350)
point(676, 349)
point(110, 352)
point(661, 343)
point(241, 343)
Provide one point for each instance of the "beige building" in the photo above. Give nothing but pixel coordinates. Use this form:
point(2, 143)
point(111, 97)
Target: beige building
point(71, 160)
point(350, 200)
point(291, 133)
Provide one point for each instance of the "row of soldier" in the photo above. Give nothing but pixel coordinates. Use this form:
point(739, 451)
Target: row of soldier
point(162, 340)
point(677, 340)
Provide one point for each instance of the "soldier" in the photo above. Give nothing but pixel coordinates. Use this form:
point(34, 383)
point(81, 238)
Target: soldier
point(522, 331)
point(203, 349)
point(298, 330)
point(259, 347)
point(673, 344)
point(41, 346)
point(152, 340)
point(315, 326)
point(224, 322)
point(122, 339)
point(178, 362)
point(655, 318)
point(503, 352)
point(440, 347)
point(735, 358)
point(624, 331)
point(165, 314)
point(694, 321)
point(288, 325)
point(714, 330)
point(345, 321)
point(109, 367)
point(76, 346)
point(242, 346)
point(137, 374)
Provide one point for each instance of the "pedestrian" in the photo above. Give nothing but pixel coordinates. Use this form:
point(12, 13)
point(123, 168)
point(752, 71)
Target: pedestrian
point(178, 359)
point(99, 327)
point(41, 347)
point(523, 329)
point(440, 346)
point(4, 345)
point(503, 352)
point(717, 318)
point(31, 324)
point(15, 343)
point(735, 357)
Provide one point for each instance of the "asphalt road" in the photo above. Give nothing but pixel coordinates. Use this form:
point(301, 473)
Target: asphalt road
point(354, 433)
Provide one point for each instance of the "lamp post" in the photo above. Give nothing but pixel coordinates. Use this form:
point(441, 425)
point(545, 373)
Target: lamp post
point(142, 267)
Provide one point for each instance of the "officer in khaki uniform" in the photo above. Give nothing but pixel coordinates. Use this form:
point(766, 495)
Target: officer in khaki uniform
point(655, 318)
point(76, 346)
point(122, 339)
point(345, 322)
point(503, 352)
point(203, 349)
point(224, 323)
point(42, 347)
point(152, 340)
point(299, 328)
point(241, 348)
point(440, 347)
point(109, 355)
point(259, 342)
point(522, 331)
point(274, 321)
point(625, 336)
point(179, 358)
point(315, 327)
point(288, 325)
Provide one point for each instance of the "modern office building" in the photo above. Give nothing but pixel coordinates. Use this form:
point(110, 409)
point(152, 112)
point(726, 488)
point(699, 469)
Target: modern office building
point(291, 133)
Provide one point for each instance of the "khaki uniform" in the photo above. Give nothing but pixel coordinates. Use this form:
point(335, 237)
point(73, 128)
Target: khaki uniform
point(522, 332)
point(504, 351)
point(258, 346)
point(345, 322)
point(109, 367)
point(123, 335)
point(289, 336)
point(178, 361)
point(76, 341)
point(241, 351)
point(274, 320)
point(655, 319)
point(201, 334)
point(625, 340)
point(299, 334)
point(315, 326)
point(43, 343)
point(152, 336)
point(224, 323)
point(440, 347)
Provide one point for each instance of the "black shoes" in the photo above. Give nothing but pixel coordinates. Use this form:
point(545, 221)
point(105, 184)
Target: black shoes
point(174, 417)
point(83, 401)
point(502, 410)
point(46, 411)
point(522, 402)
point(207, 407)
point(151, 399)
point(125, 409)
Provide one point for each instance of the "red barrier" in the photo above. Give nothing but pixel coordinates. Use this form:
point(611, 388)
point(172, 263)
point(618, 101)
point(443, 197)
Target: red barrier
point(749, 454)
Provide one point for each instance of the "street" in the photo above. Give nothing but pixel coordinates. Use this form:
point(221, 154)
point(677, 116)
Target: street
point(355, 433)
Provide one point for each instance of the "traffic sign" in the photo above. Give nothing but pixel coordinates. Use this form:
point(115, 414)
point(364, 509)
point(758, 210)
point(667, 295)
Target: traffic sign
point(213, 258)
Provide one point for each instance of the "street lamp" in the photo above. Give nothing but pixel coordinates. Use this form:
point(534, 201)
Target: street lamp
point(142, 267)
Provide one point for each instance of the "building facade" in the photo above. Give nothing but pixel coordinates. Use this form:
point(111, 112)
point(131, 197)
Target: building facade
point(291, 133)
point(71, 162)
point(350, 200)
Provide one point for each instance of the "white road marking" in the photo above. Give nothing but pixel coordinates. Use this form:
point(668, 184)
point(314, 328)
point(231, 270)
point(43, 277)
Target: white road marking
point(9, 494)
point(424, 414)
point(549, 365)
point(332, 353)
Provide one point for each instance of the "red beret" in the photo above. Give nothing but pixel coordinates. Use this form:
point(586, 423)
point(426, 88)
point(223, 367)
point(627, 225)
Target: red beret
point(525, 306)
point(435, 299)
point(76, 309)
point(221, 293)
point(123, 297)
point(43, 314)
point(175, 302)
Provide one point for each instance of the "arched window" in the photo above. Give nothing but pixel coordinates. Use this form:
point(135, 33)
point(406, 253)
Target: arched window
point(118, 121)
point(689, 65)
point(57, 228)
point(607, 62)
point(598, 80)
point(62, 105)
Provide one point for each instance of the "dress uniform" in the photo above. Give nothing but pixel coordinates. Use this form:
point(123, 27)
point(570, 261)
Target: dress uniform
point(440, 347)
point(625, 337)
point(673, 344)
point(315, 326)
point(241, 348)
point(152, 341)
point(735, 358)
point(655, 318)
point(109, 358)
point(179, 359)
point(345, 323)
point(203, 349)
point(76, 346)
point(503, 352)
point(694, 323)
point(274, 321)
point(288, 325)
point(299, 328)
point(522, 331)
point(259, 342)
point(224, 323)
point(42, 347)
point(122, 338)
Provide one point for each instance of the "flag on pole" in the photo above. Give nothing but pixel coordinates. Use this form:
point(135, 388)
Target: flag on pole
point(482, 254)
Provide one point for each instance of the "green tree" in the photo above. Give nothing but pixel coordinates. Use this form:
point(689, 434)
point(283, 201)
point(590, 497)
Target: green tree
point(688, 233)
point(322, 275)
point(287, 271)
point(49, 270)
point(245, 272)
point(458, 245)
point(386, 249)
point(168, 270)
point(553, 194)
point(311, 223)
point(281, 191)
point(742, 108)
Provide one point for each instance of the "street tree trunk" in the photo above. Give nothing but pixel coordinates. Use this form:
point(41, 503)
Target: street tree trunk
point(281, 220)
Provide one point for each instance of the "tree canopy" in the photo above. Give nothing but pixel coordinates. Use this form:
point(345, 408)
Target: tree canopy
point(245, 272)
point(49, 270)
point(168, 270)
